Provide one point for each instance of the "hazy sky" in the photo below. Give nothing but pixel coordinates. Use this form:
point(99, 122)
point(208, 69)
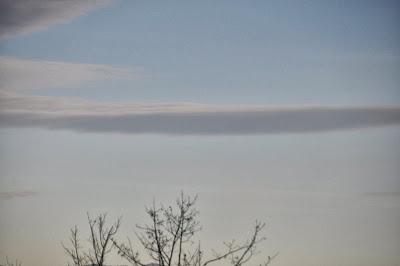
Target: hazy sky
point(282, 111)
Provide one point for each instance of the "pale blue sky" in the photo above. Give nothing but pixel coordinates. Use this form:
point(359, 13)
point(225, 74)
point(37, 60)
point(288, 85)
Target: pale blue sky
point(339, 52)
point(323, 173)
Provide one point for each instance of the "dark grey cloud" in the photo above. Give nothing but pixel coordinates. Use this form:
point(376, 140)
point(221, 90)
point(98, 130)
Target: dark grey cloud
point(25, 16)
point(186, 118)
point(16, 194)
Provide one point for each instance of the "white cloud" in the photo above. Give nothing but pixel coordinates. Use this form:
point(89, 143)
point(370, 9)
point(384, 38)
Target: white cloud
point(26, 16)
point(24, 75)
point(186, 118)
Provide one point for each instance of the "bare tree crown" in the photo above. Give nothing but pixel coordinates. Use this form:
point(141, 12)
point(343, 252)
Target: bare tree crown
point(100, 242)
point(168, 239)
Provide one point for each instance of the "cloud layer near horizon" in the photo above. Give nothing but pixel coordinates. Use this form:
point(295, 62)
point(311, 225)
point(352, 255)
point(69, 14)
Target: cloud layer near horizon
point(21, 16)
point(185, 118)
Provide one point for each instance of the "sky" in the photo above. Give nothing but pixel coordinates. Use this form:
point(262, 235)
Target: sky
point(286, 112)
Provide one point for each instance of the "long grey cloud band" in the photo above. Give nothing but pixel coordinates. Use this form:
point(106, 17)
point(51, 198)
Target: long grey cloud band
point(186, 118)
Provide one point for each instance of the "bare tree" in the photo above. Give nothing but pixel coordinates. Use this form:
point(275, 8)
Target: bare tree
point(167, 239)
point(100, 242)
point(74, 252)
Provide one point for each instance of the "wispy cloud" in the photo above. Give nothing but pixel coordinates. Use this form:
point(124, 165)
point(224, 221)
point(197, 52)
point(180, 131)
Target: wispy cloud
point(24, 75)
point(186, 118)
point(16, 194)
point(22, 16)
point(385, 194)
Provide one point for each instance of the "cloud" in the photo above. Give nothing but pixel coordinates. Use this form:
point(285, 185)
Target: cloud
point(16, 194)
point(387, 194)
point(26, 16)
point(24, 75)
point(186, 118)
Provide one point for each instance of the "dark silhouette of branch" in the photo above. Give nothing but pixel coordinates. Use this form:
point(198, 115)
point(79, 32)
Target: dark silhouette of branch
point(167, 239)
point(10, 263)
point(74, 252)
point(240, 254)
point(165, 236)
point(100, 240)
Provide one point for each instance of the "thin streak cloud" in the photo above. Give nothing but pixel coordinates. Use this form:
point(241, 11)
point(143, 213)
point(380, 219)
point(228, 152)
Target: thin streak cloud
point(186, 118)
point(24, 75)
point(16, 194)
point(387, 194)
point(21, 17)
